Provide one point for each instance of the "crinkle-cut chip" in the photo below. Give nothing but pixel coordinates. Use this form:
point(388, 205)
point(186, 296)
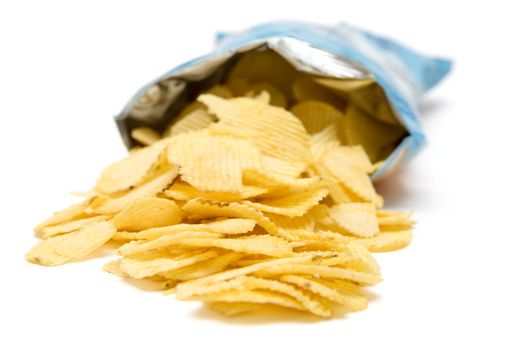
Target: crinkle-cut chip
point(60, 249)
point(199, 209)
point(220, 90)
point(279, 184)
point(264, 66)
point(145, 136)
point(348, 156)
point(355, 299)
point(140, 267)
point(312, 285)
point(202, 269)
point(225, 226)
point(387, 241)
point(113, 267)
point(292, 205)
point(193, 121)
point(354, 179)
point(232, 309)
point(264, 245)
point(323, 141)
point(316, 115)
point(252, 296)
point(70, 226)
point(213, 163)
point(137, 247)
point(336, 191)
point(238, 86)
point(359, 128)
point(262, 96)
point(185, 289)
point(185, 192)
point(277, 132)
point(322, 271)
point(395, 218)
point(112, 205)
point(305, 89)
point(358, 219)
point(282, 168)
point(131, 170)
point(244, 283)
point(146, 213)
point(73, 212)
point(305, 222)
point(311, 304)
point(276, 97)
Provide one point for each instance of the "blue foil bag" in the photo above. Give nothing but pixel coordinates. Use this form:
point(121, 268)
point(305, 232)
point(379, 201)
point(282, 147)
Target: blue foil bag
point(340, 51)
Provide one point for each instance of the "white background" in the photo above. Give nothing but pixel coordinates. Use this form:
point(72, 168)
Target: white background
point(67, 68)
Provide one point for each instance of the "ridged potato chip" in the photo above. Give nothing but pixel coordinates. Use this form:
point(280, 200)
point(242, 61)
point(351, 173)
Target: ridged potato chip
point(305, 89)
point(193, 121)
point(213, 163)
point(145, 136)
point(130, 171)
point(276, 97)
point(387, 241)
point(357, 219)
point(277, 132)
point(148, 213)
point(61, 249)
point(316, 115)
point(70, 226)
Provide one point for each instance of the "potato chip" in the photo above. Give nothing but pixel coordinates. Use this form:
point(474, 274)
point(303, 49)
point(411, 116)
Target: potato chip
point(355, 218)
point(60, 249)
point(253, 296)
point(195, 120)
point(130, 171)
point(354, 177)
point(282, 168)
point(387, 241)
point(239, 86)
point(148, 189)
point(113, 267)
point(140, 267)
point(264, 66)
point(145, 136)
point(220, 90)
point(185, 289)
point(322, 271)
point(232, 309)
point(292, 205)
point(316, 115)
point(202, 269)
point(147, 213)
point(224, 226)
point(213, 163)
point(264, 245)
point(361, 129)
point(70, 226)
point(276, 97)
point(279, 185)
point(277, 132)
point(311, 285)
point(137, 247)
point(73, 212)
point(305, 89)
point(185, 192)
point(199, 208)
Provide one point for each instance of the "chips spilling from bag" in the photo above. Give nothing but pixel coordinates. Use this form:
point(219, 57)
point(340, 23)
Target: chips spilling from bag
point(243, 202)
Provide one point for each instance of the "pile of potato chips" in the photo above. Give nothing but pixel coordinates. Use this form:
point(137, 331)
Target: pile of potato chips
point(244, 202)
